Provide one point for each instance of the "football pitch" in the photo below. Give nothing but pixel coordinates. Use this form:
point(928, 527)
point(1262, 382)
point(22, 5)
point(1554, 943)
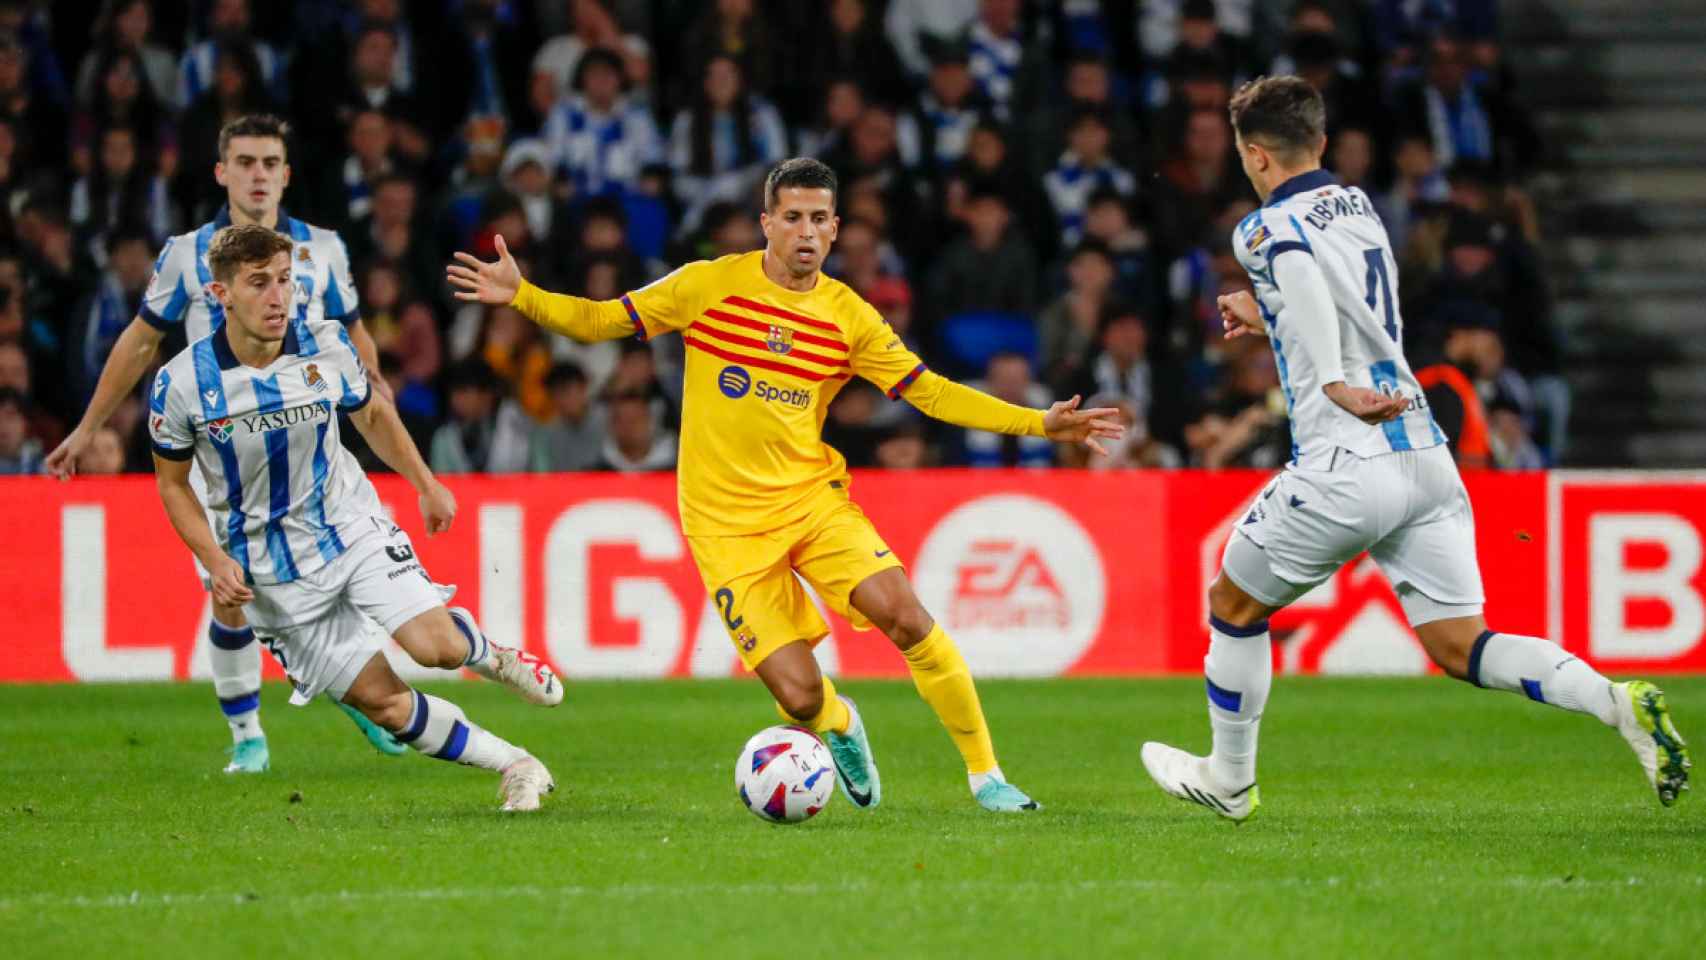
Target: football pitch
point(1400, 818)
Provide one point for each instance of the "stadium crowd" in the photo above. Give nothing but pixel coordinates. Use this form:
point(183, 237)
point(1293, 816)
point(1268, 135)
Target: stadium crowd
point(1040, 197)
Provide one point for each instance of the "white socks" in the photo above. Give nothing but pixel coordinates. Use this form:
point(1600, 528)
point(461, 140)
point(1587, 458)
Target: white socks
point(1239, 669)
point(439, 728)
point(1543, 671)
point(977, 780)
point(235, 659)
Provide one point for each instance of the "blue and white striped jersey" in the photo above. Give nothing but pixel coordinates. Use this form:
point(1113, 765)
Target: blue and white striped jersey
point(601, 152)
point(283, 493)
point(1338, 227)
point(178, 294)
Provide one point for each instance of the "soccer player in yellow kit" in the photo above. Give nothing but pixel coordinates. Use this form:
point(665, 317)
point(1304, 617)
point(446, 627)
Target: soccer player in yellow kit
point(770, 341)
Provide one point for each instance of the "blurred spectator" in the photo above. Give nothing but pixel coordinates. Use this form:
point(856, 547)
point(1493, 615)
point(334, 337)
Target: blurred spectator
point(373, 86)
point(1122, 367)
point(485, 433)
point(1088, 85)
point(485, 61)
point(573, 437)
point(103, 315)
point(420, 356)
point(1337, 19)
point(1084, 168)
point(872, 162)
point(122, 98)
point(1068, 327)
point(1350, 155)
point(635, 443)
point(1350, 101)
point(842, 106)
point(1470, 341)
point(1202, 177)
point(15, 374)
point(1005, 71)
point(1137, 450)
point(1460, 119)
point(391, 232)
point(369, 159)
point(1246, 425)
point(990, 267)
point(1009, 378)
point(1416, 183)
point(913, 24)
point(237, 90)
point(1108, 220)
point(732, 30)
point(526, 174)
point(227, 25)
point(1507, 434)
point(105, 456)
point(514, 349)
point(1166, 25)
point(903, 449)
point(1202, 54)
point(936, 134)
point(120, 191)
point(989, 161)
point(36, 119)
point(380, 284)
point(595, 135)
point(557, 64)
point(721, 146)
point(851, 426)
point(856, 48)
point(19, 452)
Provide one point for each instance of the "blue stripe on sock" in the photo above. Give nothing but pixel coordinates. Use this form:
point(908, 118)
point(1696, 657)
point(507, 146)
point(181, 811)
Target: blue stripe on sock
point(1221, 626)
point(1475, 657)
point(476, 649)
point(1228, 700)
point(237, 706)
point(458, 742)
point(1532, 688)
point(417, 724)
point(229, 638)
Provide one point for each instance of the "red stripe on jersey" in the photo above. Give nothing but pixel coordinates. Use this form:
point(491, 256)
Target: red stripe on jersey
point(762, 362)
point(766, 308)
point(741, 341)
point(752, 324)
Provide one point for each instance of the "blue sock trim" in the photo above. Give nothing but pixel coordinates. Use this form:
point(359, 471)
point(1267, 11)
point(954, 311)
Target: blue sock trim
point(457, 742)
point(1532, 688)
point(417, 723)
point(473, 642)
point(237, 706)
point(229, 638)
point(1221, 626)
point(1475, 657)
point(1228, 700)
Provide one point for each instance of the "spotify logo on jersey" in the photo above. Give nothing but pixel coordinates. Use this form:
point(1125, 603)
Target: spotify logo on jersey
point(734, 382)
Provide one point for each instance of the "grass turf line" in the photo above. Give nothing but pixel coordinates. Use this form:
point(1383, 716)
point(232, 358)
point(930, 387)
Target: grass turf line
point(1404, 817)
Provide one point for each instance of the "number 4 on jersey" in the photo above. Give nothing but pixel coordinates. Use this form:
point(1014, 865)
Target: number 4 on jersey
point(1380, 287)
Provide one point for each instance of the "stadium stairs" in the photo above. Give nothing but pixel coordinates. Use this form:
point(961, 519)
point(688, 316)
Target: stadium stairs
point(1617, 89)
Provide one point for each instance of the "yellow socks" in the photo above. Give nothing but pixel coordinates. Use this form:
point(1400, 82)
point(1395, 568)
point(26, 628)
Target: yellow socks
point(944, 681)
point(833, 717)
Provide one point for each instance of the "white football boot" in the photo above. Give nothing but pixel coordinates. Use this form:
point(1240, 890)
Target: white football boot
point(524, 783)
point(519, 670)
point(1185, 775)
point(1643, 718)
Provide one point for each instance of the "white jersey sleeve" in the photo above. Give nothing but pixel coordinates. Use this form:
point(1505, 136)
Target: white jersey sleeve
point(174, 286)
point(354, 390)
point(171, 426)
point(1337, 228)
point(343, 306)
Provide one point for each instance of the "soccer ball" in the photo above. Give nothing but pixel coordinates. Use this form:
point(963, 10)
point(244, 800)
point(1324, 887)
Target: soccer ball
point(784, 774)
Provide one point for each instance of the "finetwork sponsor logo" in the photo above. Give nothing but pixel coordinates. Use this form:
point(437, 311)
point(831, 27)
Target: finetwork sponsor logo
point(734, 382)
point(1018, 582)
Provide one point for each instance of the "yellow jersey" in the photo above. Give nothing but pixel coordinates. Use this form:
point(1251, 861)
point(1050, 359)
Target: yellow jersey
point(763, 364)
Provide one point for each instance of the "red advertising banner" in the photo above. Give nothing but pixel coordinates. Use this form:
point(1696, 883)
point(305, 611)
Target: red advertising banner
point(1034, 573)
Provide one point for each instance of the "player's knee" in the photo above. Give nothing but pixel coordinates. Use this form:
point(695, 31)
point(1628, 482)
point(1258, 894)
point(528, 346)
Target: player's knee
point(800, 699)
point(448, 649)
point(910, 625)
point(391, 710)
point(1449, 650)
point(1229, 603)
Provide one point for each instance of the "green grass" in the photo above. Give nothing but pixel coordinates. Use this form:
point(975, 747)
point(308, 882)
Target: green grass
point(1401, 818)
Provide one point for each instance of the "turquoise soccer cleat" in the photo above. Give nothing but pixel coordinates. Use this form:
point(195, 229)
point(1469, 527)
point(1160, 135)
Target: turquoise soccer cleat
point(1002, 797)
point(249, 756)
point(855, 766)
point(377, 735)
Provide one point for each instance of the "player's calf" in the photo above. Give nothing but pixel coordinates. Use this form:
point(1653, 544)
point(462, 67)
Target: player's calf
point(517, 669)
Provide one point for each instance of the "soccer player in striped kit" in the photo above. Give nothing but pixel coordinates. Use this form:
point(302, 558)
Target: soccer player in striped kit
point(292, 531)
point(254, 169)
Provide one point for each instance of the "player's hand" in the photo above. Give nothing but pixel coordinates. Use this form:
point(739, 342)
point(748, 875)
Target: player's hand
point(1239, 315)
point(62, 462)
point(1369, 406)
point(1065, 423)
point(480, 282)
point(438, 508)
point(229, 588)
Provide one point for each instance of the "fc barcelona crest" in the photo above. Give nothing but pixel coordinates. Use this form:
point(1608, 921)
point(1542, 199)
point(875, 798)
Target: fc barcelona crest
point(780, 340)
point(313, 378)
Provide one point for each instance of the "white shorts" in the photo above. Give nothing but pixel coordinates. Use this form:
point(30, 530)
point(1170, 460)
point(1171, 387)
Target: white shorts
point(1407, 509)
point(316, 626)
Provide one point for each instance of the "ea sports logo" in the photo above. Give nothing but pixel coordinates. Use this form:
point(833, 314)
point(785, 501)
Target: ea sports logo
point(734, 382)
point(1016, 581)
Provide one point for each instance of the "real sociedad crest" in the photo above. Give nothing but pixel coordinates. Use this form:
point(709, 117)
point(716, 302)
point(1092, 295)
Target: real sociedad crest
point(313, 378)
point(780, 340)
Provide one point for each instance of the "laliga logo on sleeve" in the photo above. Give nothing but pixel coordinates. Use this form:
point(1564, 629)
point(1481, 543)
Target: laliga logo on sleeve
point(1018, 583)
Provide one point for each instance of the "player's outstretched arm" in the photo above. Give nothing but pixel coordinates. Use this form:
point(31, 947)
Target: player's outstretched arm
point(131, 354)
point(172, 478)
point(962, 406)
point(384, 432)
point(500, 284)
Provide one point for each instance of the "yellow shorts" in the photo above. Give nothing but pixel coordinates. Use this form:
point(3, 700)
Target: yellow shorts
point(833, 547)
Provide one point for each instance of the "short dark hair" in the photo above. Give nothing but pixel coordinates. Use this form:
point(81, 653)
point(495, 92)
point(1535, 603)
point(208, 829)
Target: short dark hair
point(254, 125)
point(563, 374)
point(234, 246)
point(1284, 114)
point(801, 172)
